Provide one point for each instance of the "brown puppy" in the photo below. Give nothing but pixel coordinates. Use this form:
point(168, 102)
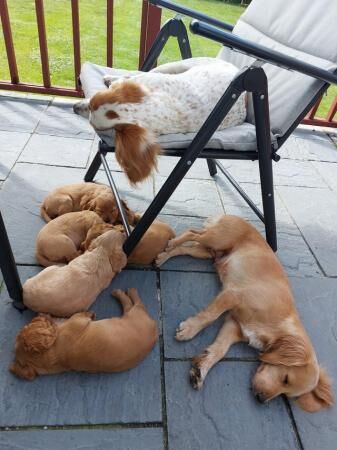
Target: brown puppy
point(59, 241)
point(46, 346)
point(261, 312)
point(83, 196)
point(66, 290)
point(152, 243)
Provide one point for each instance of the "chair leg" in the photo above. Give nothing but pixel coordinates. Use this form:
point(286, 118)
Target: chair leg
point(212, 167)
point(93, 168)
point(9, 269)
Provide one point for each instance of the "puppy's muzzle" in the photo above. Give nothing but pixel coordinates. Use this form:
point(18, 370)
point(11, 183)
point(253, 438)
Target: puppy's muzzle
point(260, 397)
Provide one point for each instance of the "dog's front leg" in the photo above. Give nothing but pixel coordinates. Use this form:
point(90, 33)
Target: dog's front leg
point(223, 302)
point(189, 235)
point(229, 334)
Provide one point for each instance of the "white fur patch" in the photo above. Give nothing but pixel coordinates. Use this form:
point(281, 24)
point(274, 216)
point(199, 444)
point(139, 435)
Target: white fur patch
point(252, 338)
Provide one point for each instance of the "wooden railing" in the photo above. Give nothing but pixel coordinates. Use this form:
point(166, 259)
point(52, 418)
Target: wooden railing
point(150, 26)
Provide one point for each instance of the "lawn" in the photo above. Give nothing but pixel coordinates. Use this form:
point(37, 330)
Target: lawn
point(127, 16)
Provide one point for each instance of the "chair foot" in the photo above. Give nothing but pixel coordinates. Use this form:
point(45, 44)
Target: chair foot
point(93, 168)
point(212, 167)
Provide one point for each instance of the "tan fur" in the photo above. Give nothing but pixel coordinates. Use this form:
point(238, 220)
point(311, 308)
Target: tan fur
point(83, 196)
point(260, 310)
point(59, 241)
point(150, 246)
point(135, 152)
point(65, 290)
point(126, 92)
point(46, 346)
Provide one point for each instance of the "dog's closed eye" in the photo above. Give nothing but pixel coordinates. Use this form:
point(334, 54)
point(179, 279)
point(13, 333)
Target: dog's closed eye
point(111, 115)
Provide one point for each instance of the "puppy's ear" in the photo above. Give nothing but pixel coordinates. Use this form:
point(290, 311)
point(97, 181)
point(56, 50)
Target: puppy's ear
point(287, 350)
point(26, 372)
point(38, 336)
point(320, 397)
point(136, 151)
point(118, 260)
point(130, 214)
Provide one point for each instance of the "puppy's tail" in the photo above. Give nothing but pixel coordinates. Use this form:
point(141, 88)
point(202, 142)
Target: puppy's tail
point(44, 213)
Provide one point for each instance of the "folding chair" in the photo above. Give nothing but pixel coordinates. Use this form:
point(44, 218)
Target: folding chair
point(287, 53)
point(286, 65)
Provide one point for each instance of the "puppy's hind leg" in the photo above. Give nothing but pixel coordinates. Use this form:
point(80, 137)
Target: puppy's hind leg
point(229, 334)
point(123, 299)
point(190, 249)
point(189, 235)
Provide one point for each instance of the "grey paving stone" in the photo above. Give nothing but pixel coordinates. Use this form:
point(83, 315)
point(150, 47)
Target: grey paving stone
point(199, 169)
point(286, 173)
point(60, 120)
point(77, 398)
point(183, 295)
point(186, 263)
point(20, 114)
point(316, 301)
point(24, 191)
point(315, 212)
point(57, 151)
point(293, 149)
point(192, 198)
point(317, 145)
point(11, 144)
point(329, 172)
point(224, 414)
point(94, 439)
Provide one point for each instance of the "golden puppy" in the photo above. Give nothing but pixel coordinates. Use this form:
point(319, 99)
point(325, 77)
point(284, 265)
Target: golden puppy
point(65, 290)
point(261, 311)
point(60, 240)
point(83, 196)
point(152, 243)
point(46, 346)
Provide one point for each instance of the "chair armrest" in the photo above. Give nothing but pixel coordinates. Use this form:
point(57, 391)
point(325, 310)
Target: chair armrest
point(261, 52)
point(191, 13)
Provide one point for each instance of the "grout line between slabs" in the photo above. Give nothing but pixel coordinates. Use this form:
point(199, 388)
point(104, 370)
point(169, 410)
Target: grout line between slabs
point(293, 422)
point(117, 425)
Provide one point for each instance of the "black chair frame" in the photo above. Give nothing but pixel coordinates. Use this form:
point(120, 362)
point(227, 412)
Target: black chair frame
point(251, 79)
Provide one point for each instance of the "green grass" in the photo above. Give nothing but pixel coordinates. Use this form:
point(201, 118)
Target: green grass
point(127, 15)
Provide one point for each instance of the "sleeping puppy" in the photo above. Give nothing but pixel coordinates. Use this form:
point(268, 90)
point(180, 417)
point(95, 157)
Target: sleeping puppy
point(260, 311)
point(174, 98)
point(152, 243)
point(80, 197)
point(60, 240)
point(48, 345)
point(66, 290)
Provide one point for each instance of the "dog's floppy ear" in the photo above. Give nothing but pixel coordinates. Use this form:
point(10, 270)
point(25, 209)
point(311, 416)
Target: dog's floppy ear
point(136, 151)
point(39, 335)
point(130, 214)
point(118, 260)
point(287, 350)
point(320, 397)
point(26, 372)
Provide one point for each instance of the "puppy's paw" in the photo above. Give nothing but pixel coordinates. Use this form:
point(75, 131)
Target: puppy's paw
point(117, 293)
point(171, 244)
point(161, 259)
point(186, 330)
point(196, 378)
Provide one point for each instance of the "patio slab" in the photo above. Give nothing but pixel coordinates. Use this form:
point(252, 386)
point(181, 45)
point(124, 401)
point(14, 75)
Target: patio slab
point(43, 149)
point(224, 413)
point(11, 145)
point(93, 439)
point(21, 114)
point(78, 398)
point(315, 212)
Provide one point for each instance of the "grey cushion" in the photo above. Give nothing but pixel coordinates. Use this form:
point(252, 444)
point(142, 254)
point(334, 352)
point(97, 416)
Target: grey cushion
point(305, 29)
point(236, 138)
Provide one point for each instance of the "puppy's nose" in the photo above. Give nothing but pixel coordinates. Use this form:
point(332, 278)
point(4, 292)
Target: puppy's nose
point(259, 397)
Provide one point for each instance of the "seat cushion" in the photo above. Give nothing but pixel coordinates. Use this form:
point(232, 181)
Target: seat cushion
point(304, 29)
point(241, 137)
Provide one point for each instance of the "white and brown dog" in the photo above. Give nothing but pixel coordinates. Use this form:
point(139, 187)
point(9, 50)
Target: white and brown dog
point(173, 98)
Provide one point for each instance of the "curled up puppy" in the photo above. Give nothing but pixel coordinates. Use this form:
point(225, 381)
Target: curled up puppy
point(61, 240)
point(80, 197)
point(150, 246)
point(65, 290)
point(80, 343)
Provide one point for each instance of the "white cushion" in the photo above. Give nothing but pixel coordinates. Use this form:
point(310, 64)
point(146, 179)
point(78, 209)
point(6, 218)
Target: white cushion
point(304, 29)
point(235, 138)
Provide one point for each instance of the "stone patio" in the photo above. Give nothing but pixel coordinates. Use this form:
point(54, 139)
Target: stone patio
point(43, 145)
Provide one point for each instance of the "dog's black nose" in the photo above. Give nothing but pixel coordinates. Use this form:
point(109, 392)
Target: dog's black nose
point(259, 397)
